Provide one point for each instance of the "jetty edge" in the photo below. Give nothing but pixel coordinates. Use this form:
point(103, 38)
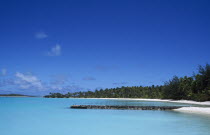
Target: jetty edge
point(125, 107)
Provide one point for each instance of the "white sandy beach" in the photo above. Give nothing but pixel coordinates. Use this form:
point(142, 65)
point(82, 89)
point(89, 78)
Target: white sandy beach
point(199, 110)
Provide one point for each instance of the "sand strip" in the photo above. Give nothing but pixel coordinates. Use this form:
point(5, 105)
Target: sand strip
point(198, 110)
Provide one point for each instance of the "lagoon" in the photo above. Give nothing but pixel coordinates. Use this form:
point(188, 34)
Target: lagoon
point(48, 116)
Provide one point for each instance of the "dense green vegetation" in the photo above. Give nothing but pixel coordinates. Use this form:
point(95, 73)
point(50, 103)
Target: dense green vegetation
point(196, 87)
point(14, 95)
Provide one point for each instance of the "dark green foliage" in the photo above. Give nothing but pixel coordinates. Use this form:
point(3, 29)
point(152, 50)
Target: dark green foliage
point(55, 95)
point(15, 95)
point(196, 88)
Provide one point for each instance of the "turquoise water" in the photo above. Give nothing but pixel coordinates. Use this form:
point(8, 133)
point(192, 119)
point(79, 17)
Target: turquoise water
point(41, 116)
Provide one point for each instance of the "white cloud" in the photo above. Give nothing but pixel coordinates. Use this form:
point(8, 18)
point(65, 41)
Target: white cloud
point(28, 81)
point(4, 71)
point(55, 51)
point(41, 35)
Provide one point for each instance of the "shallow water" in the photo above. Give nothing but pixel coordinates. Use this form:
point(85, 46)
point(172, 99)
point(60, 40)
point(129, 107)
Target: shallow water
point(41, 116)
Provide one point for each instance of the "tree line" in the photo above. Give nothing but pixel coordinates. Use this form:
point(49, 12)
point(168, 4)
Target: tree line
point(195, 87)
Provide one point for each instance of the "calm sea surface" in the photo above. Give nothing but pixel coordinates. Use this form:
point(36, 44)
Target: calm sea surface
point(41, 116)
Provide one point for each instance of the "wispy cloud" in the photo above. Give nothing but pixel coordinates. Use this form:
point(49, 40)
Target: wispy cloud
point(6, 82)
point(55, 51)
point(26, 81)
point(59, 79)
point(120, 83)
point(3, 71)
point(65, 89)
point(41, 35)
point(89, 78)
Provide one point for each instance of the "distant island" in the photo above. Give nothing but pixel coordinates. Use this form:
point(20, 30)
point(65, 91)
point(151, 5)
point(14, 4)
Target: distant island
point(14, 95)
point(195, 87)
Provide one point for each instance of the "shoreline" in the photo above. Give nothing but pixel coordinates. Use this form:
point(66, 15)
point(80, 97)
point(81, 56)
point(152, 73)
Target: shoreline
point(197, 110)
point(206, 103)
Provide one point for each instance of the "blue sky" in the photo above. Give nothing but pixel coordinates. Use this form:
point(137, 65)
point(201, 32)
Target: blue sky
point(56, 45)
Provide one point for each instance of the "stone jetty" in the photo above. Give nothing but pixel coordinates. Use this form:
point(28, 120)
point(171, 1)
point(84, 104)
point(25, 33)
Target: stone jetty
point(125, 107)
